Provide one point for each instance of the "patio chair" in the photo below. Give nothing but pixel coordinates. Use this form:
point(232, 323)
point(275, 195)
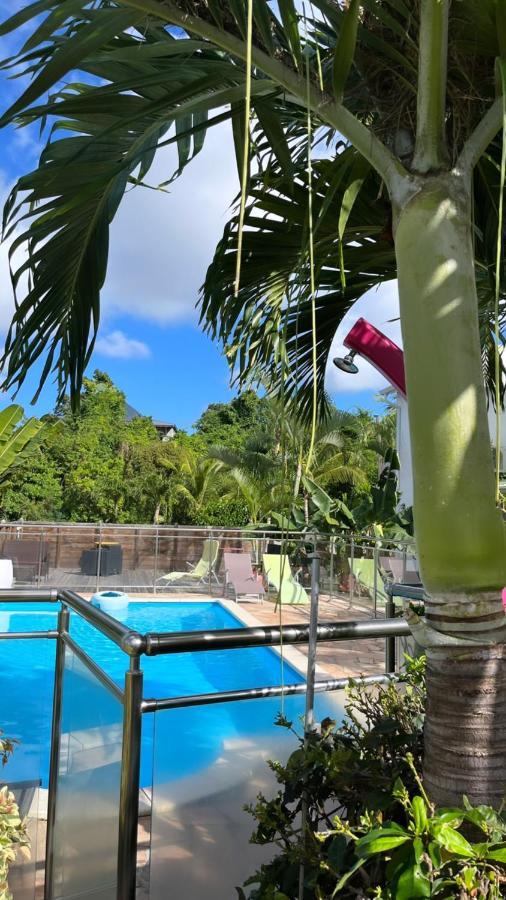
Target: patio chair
point(201, 571)
point(363, 571)
point(30, 558)
point(397, 570)
point(279, 574)
point(239, 575)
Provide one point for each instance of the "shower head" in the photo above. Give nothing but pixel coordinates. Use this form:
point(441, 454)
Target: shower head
point(346, 364)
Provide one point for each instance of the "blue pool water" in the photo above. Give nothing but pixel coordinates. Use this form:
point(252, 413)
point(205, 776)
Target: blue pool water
point(190, 739)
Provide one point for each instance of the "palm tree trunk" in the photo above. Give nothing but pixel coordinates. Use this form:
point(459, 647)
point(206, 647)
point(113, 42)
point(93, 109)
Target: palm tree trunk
point(459, 531)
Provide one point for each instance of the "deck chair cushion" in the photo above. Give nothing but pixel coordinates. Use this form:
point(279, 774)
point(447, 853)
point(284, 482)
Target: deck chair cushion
point(279, 574)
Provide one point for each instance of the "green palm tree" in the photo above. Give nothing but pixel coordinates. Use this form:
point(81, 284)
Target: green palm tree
point(256, 477)
point(19, 438)
point(411, 89)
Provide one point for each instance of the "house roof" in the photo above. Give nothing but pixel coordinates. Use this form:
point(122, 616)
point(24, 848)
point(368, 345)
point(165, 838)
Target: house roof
point(132, 413)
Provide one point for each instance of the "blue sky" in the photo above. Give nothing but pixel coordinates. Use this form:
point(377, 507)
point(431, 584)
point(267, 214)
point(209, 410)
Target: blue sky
point(161, 244)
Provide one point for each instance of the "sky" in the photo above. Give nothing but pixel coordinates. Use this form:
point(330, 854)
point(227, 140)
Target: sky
point(160, 246)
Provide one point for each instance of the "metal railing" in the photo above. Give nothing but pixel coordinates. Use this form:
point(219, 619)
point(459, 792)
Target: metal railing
point(78, 556)
point(134, 645)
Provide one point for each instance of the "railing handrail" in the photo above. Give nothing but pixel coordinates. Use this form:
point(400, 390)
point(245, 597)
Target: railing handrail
point(205, 530)
point(134, 643)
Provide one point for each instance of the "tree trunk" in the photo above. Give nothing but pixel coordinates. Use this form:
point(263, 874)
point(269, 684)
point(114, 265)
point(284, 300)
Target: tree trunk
point(459, 531)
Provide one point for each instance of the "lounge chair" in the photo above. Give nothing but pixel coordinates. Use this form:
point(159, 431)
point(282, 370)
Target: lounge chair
point(201, 571)
point(239, 575)
point(29, 558)
point(363, 572)
point(279, 574)
point(399, 570)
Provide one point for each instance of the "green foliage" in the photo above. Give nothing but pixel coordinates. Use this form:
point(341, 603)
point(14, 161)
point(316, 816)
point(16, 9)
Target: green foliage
point(14, 838)
point(18, 438)
point(223, 513)
point(230, 424)
point(379, 510)
point(34, 490)
point(244, 464)
point(370, 828)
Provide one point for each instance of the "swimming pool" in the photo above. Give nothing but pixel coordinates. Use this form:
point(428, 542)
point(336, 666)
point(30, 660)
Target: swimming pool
point(192, 738)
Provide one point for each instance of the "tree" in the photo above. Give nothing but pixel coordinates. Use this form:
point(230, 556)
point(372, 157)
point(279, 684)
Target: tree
point(230, 423)
point(412, 88)
point(33, 491)
point(19, 441)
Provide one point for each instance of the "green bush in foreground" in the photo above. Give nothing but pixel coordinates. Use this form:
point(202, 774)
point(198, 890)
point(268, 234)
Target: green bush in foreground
point(13, 835)
point(371, 829)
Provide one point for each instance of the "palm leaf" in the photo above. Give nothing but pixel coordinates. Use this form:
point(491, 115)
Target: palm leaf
point(104, 135)
point(262, 330)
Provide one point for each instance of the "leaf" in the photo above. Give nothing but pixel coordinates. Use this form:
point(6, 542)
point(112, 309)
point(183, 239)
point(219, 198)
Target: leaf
point(450, 816)
point(318, 496)
point(337, 852)
point(290, 22)
point(497, 855)
point(345, 49)
point(9, 417)
point(411, 882)
point(359, 172)
point(500, 20)
point(346, 877)
point(453, 841)
point(270, 121)
point(380, 840)
point(73, 51)
point(419, 811)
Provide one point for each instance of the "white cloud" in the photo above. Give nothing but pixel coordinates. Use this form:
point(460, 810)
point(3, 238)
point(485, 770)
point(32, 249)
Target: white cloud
point(162, 243)
point(117, 345)
point(380, 306)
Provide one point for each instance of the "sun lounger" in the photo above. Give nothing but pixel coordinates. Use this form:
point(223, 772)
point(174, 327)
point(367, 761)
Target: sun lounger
point(240, 577)
point(279, 574)
point(201, 571)
point(363, 572)
point(399, 570)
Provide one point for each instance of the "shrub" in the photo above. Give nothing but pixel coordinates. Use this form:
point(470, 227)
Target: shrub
point(371, 831)
point(13, 834)
point(223, 513)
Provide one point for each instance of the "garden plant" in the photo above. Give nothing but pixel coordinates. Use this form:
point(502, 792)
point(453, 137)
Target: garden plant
point(371, 830)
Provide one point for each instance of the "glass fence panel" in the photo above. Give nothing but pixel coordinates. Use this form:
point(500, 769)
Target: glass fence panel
point(87, 803)
point(26, 691)
point(208, 762)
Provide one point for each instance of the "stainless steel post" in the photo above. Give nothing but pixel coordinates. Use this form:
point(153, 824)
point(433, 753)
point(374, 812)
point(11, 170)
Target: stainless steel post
point(155, 573)
point(99, 557)
point(313, 641)
point(54, 760)
point(331, 574)
point(39, 565)
point(209, 536)
point(352, 555)
point(310, 683)
point(375, 579)
point(390, 641)
point(130, 779)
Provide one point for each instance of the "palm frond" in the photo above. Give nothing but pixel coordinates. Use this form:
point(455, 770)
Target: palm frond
point(266, 328)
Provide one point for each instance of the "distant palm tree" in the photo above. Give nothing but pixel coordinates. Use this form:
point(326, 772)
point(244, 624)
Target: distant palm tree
point(19, 438)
